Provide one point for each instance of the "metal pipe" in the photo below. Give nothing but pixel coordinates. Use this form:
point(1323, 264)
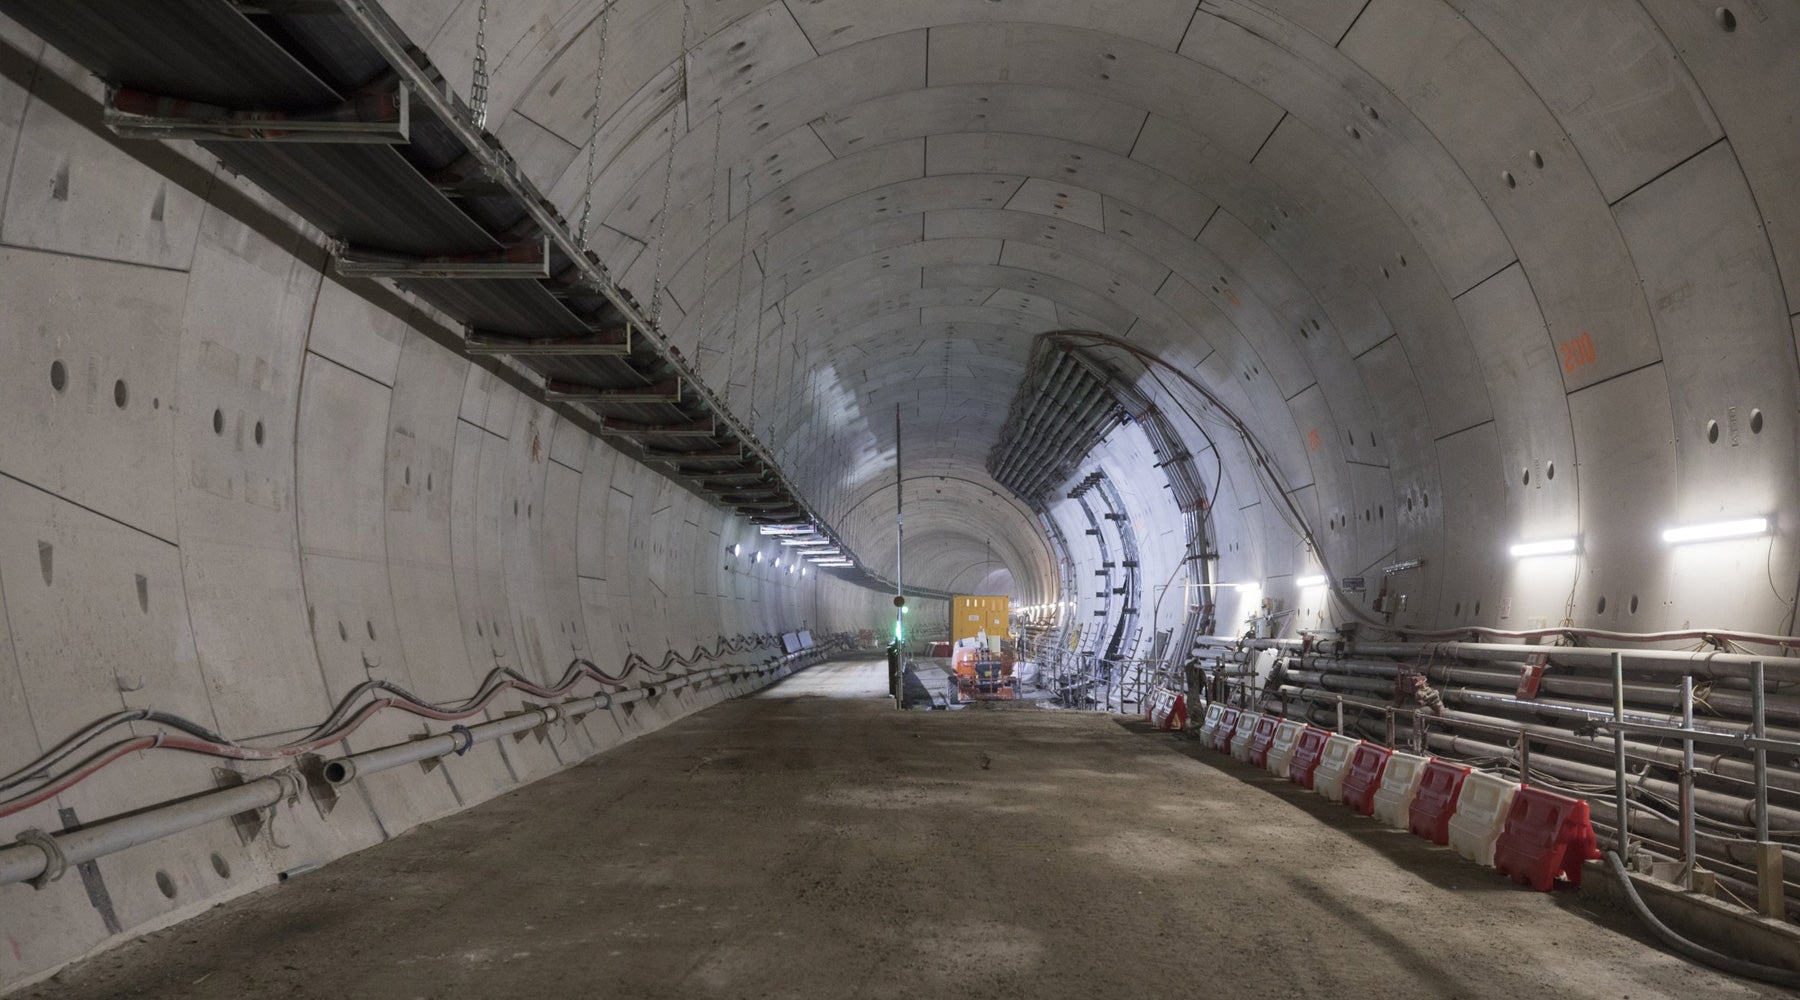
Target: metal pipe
point(52, 854)
point(1686, 784)
point(1703, 662)
point(1759, 757)
point(1721, 806)
point(1623, 819)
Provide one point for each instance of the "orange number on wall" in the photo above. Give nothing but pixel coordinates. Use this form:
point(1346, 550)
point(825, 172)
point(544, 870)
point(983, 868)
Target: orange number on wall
point(1577, 353)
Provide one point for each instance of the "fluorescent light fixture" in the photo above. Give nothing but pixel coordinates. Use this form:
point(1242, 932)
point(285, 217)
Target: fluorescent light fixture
point(824, 554)
point(835, 562)
point(805, 543)
point(786, 529)
point(756, 557)
point(1720, 529)
point(1547, 547)
point(777, 562)
point(1247, 588)
point(803, 571)
point(790, 571)
point(736, 549)
point(1310, 581)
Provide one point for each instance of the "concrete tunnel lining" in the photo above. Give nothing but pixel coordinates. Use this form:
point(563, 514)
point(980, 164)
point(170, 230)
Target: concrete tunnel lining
point(1475, 273)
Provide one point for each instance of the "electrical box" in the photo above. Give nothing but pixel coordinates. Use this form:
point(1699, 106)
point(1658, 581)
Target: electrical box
point(973, 615)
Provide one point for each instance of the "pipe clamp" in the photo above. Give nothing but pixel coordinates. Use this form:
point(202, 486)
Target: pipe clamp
point(56, 863)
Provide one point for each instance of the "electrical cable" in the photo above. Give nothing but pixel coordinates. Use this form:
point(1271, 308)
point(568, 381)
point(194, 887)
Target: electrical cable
point(345, 719)
point(1697, 952)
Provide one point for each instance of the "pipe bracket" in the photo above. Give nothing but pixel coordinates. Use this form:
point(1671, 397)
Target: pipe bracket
point(56, 863)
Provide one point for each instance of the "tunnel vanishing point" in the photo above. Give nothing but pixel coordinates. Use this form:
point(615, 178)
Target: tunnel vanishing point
point(406, 400)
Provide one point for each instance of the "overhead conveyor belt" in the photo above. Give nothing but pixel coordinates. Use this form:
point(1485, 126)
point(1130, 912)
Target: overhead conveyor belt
point(326, 106)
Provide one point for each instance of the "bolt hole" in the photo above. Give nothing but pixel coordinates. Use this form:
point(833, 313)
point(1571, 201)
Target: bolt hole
point(1550, 470)
point(218, 421)
point(343, 633)
point(1600, 607)
point(1726, 18)
point(1352, 131)
point(59, 376)
point(257, 433)
point(1511, 181)
point(1478, 609)
point(1372, 113)
point(165, 884)
point(371, 627)
point(1712, 432)
point(221, 866)
point(1634, 604)
point(1537, 159)
point(1756, 421)
point(1525, 477)
point(1458, 609)
point(121, 395)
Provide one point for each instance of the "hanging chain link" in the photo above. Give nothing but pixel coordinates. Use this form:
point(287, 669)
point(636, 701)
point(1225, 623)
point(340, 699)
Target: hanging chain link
point(712, 218)
point(762, 291)
point(478, 88)
point(662, 230)
point(587, 191)
point(737, 304)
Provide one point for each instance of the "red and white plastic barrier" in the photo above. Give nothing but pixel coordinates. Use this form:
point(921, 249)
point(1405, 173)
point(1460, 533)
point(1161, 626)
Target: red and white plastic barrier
point(1334, 764)
point(1264, 738)
point(1481, 812)
point(1209, 726)
point(1399, 783)
point(1167, 709)
point(1367, 765)
point(1281, 750)
point(1243, 734)
point(1546, 835)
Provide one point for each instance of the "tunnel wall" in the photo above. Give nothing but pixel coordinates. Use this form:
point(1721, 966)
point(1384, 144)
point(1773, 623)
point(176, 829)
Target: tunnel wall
point(233, 487)
point(1475, 272)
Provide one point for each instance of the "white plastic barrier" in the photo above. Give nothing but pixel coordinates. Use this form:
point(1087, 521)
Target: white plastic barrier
point(1211, 725)
point(1246, 730)
point(1281, 752)
point(1399, 783)
point(1334, 763)
point(1480, 815)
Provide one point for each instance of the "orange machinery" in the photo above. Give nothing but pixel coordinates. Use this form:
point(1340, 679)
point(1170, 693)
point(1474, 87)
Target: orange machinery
point(983, 675)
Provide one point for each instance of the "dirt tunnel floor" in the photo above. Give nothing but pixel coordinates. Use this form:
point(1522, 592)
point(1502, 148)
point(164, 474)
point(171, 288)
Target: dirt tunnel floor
point(818, 845)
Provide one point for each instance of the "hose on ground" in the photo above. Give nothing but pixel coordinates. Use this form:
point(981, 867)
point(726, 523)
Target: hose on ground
point(1699, 953)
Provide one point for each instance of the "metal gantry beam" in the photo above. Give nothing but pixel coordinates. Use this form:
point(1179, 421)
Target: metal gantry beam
point(382, 118)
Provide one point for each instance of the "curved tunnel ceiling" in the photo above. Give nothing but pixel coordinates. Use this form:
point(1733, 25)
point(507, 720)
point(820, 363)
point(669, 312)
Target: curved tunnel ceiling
point(1419, 245)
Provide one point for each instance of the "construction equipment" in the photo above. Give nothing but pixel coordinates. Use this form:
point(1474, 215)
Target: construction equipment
point(979, 673)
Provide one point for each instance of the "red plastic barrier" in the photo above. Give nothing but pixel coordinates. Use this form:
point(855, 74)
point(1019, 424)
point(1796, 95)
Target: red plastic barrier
point(1262, 738)
point(1546, 835)
point(1364, 777)
point(1227, 726)
point(940, 649)
point(1167, 710)
point(1435, 801)
point(1307, 750)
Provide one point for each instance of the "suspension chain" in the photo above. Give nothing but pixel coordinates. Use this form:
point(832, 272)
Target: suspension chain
point(478, 87)
point(587, 192)
point(712, 218)
point(662, 229)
